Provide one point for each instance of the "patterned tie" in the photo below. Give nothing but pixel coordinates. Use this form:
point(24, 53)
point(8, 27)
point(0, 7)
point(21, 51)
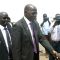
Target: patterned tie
point(34, 40)
point(9, 43)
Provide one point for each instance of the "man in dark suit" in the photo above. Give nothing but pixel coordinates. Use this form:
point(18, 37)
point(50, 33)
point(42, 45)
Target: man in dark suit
point(5, 37)
point(27, 35)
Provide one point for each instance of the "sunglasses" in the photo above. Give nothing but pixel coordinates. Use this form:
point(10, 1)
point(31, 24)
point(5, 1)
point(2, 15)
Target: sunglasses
point(33, 13)
point(6, 18)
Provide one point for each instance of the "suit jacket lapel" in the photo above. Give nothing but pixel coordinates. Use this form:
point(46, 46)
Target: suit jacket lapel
point(2, 38)
point(26, 28)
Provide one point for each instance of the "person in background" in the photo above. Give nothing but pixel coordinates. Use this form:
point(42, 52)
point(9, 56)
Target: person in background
point(5, 37)
point(27, 35)
point(55, 35)
point(45, 26)
point(45, 19)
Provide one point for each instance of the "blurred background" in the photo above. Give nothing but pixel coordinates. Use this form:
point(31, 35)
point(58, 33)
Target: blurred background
point(15, 8)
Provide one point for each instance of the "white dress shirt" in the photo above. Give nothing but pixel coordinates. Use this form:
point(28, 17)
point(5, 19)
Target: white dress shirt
point(28, 23)
point(33, 40)
point(45, 28)
point(4, 36)
point(55, 33)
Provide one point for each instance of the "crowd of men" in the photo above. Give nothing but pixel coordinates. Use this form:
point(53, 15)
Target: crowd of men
point(20, 41)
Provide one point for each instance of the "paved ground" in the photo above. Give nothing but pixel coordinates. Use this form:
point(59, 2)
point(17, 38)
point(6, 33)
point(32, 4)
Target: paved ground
point(42, 55)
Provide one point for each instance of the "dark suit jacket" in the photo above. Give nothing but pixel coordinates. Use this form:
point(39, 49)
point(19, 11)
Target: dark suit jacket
point(22, 40)
point(3, 48)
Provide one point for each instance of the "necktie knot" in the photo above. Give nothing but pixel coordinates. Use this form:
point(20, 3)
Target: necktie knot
point(31, 23)
point(5, 28)
point(33, 27)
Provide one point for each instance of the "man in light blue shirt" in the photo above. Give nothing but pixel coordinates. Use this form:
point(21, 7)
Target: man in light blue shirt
point(45, 24)
point(45, 27)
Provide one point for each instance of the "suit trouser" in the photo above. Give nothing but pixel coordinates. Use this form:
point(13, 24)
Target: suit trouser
point(36, 56)
point(10, 58)
point(56, 46)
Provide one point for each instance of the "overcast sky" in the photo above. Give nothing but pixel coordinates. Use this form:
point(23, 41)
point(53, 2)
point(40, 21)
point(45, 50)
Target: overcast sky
point(15, 8)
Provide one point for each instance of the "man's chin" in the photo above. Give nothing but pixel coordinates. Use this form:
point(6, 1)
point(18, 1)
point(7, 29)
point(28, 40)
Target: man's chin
point(4, 25)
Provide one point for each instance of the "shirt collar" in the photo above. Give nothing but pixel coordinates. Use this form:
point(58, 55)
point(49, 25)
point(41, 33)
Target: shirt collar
point(27, 21)
point(1, 27)
point(46, 22)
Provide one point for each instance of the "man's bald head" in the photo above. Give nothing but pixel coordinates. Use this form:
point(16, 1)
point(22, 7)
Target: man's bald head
point(30, 7)
point(3, 14)
point(4, 18)
point(30, 11)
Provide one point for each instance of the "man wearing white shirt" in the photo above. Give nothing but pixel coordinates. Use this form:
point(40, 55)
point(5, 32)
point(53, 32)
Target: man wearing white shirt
point(45, 27)
point(55, 35)
point(5, 37)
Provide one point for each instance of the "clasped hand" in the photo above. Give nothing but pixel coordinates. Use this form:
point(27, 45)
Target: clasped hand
point(57, 56)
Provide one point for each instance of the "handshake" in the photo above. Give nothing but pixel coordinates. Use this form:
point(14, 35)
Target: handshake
point(56, 55)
